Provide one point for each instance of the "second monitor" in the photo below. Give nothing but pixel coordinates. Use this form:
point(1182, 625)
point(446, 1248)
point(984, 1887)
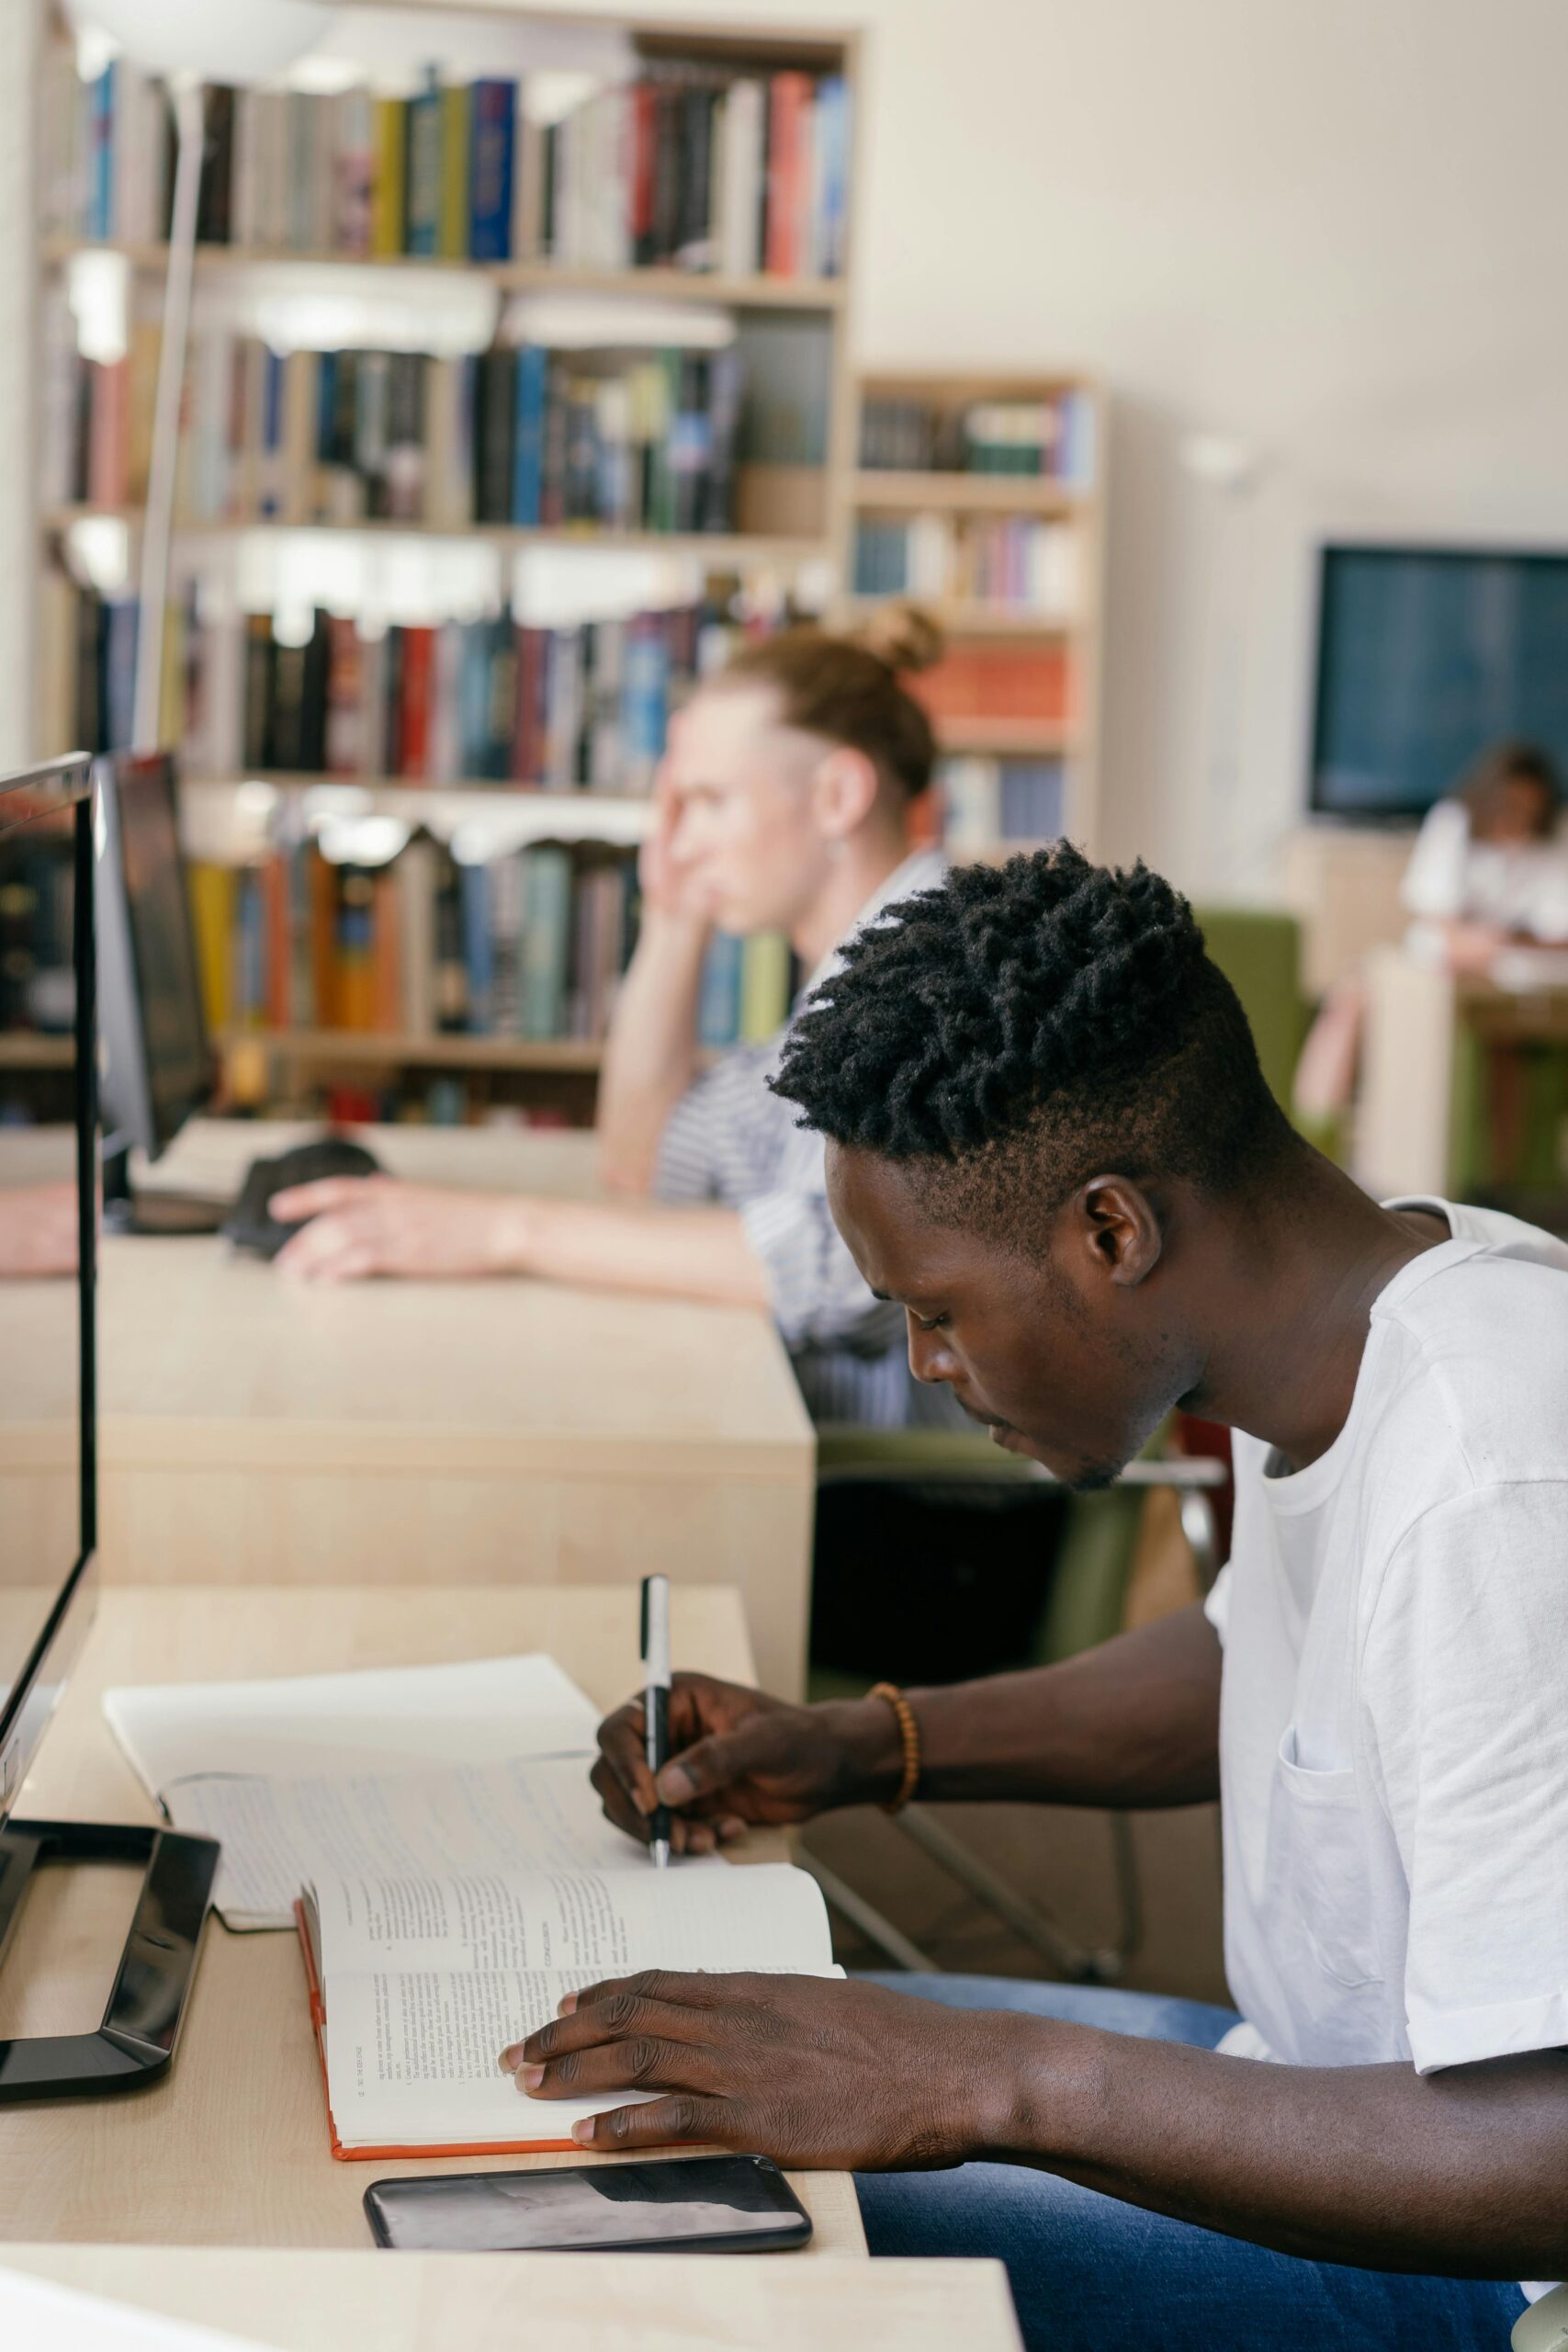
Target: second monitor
point(157, 1065)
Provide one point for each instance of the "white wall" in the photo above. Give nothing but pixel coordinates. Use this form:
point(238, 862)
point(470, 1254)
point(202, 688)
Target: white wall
point(1332, 228)
point(1335, 228)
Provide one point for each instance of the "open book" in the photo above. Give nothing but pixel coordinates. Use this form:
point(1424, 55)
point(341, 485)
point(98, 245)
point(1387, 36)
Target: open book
point(401, 1768)
point(418, 1985)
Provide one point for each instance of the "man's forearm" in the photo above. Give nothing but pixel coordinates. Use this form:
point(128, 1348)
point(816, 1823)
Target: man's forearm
point(651, 1053)
point(1136, 1722)
point(1457, 2173)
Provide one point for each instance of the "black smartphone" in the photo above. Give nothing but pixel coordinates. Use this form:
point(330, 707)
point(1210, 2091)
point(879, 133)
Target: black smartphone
point(675, 2205)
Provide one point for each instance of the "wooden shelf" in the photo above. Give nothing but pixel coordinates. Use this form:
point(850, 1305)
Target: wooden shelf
point(1004, 738)
point(385, 1050)
point(1022, 495)
point(970, 618)
point(511, 277)
point(27, 1050)
point(569, 816)
point(722, 548)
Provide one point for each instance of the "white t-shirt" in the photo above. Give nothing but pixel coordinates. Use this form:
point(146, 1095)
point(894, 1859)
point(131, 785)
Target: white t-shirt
point(1518, 885)
point(1394, 1738)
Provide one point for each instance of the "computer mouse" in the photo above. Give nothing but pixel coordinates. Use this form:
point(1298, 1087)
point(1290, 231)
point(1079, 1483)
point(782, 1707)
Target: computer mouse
point(250, 1225)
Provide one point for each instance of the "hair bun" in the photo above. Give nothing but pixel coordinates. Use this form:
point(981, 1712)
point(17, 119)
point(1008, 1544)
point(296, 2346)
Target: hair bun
point(902, 636)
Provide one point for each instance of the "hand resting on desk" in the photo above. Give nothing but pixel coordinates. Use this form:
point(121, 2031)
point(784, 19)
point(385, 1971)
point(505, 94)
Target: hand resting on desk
point(831, 2075)
point(373, 1225)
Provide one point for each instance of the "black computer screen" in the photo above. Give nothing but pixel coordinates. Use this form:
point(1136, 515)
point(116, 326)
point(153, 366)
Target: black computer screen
point(162, 943)
point(1426, 658)
point(46, 1177)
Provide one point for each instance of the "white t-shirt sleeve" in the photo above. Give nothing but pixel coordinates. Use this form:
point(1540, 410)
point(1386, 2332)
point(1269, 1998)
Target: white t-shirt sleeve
point(1434, 881)
point(1465, 1667)
point(1217, 1603)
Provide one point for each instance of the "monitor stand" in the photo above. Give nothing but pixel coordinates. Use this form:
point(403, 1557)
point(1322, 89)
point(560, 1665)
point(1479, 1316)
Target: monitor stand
point(150, 1212)
point(136, 2040)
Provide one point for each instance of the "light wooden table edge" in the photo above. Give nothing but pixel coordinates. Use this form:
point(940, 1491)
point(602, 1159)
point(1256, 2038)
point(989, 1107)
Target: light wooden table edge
point(321, 2299)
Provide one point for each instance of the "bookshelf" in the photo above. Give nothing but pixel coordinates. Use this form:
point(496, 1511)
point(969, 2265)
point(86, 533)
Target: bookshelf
point(761, 293)
point(729, 155)
point(983, 497)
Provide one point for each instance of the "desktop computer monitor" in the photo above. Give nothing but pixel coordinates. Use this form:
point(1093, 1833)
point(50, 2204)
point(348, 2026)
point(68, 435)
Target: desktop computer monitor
point(48, 1177)
point(156, 1064)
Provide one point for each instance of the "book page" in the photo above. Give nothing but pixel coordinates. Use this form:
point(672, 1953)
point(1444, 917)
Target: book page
point(382, 1720)
point(523, 1815)
point(579, 1924)
point(413, 2060)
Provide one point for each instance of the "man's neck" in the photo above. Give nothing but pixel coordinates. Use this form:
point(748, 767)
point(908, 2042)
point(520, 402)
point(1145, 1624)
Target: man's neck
point(1291, 1311)
point(869, 859)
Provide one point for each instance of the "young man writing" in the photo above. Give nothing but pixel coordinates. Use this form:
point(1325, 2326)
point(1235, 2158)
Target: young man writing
point(1049, 1143)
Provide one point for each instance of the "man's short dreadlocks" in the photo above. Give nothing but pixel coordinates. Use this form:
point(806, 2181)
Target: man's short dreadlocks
point(1025, 1027)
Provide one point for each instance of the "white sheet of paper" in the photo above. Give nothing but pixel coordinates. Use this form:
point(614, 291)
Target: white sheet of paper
point(385, 1719)
point(524, 1815)
point(35, 2315)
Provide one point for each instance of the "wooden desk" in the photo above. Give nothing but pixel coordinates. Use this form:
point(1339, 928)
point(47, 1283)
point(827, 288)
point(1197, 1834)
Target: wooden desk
point(231, 2148)
point(1414, 1108)
point(475, 2302)
point(256, 1429)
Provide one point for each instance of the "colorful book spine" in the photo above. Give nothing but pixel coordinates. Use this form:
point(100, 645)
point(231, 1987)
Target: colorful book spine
point(455, 232)
point(492, 163)
point(421, 225)
point(387, 219)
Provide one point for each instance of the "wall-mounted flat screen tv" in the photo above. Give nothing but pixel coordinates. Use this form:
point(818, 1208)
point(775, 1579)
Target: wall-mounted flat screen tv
point(1426, 656)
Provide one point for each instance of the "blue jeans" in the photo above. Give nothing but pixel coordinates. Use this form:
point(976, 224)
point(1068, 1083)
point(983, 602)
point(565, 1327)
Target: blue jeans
point(1090, 2274)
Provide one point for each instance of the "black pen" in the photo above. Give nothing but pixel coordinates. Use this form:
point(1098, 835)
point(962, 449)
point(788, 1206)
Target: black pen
point(656, 1703)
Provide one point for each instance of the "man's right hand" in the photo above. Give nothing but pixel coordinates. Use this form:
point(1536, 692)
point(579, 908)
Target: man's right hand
point(738, 1757)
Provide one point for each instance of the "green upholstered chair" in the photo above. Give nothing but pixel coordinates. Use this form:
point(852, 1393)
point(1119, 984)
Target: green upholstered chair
point(1259, 952)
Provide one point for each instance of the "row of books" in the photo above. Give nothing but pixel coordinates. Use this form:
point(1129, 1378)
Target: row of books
point(490, 700)
point(519, 438)
point(997, 559)
point(693, 168)
point(1053, 438)
point(697, 170)
point(983, 801)
point(530, 946)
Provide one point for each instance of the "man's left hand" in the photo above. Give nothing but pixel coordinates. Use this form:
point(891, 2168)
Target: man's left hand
point(814, 2072)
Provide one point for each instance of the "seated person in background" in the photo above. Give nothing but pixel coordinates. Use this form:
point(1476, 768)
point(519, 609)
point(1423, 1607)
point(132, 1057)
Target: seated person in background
point(1489, 870)
point(1488, 867)
point(783, 805)
point(1051, 1145)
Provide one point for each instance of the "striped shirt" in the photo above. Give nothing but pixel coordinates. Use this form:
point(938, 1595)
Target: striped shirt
point(731, 1139)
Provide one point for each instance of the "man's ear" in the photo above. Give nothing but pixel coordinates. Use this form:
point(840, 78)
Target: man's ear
point(844, 791)
point(1119, 1227)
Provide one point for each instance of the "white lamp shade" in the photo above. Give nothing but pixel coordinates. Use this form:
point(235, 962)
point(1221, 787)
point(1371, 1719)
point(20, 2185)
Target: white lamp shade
point(218, 40)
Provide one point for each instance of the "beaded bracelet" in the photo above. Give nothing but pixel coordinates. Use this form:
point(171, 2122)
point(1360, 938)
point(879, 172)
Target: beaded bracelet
point(909, 1738)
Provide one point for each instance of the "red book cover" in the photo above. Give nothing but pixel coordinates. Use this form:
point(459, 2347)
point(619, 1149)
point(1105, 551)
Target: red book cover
point(414, 730)
point(109, 437)
point(997, 682)
point(644, 129)
point(789, 97)
point(323, 941)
